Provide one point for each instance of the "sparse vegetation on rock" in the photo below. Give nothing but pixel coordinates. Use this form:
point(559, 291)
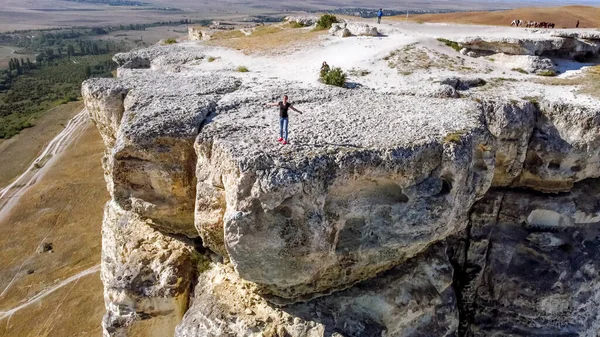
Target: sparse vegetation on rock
point(335, 76)
point(547, 73)
point(242, 69)
point(296, 24)
point(326, 21)
point(452, 44)
point(359, 72)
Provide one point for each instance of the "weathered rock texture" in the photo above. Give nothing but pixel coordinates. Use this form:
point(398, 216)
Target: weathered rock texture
point(416, 215)
point(199, 33)
point(303, 20)
point(147, 276)
point(416, 296)
point(529, 265)
point(570, 45)
point(346, 29)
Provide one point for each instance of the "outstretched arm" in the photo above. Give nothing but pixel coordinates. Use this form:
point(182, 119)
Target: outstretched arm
point(298, 111)
point(272, 104)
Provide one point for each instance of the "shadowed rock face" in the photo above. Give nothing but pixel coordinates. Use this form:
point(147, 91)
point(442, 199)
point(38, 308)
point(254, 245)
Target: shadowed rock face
point(416, 296)
point(529, 265)
point(400, 214)
point(149, 126)
point(560, 44)
point(145, 274)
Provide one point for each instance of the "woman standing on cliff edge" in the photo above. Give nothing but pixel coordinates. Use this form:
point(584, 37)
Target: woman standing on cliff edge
point(284, 105)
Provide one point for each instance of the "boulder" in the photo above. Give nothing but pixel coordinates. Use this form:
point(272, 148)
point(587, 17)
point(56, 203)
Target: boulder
point(303, 20)
point(531, 64)
point(353, 28)
point(462, 83)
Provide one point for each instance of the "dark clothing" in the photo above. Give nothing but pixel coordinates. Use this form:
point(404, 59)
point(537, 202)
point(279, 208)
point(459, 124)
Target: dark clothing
point(283, 109)
point(324, 70)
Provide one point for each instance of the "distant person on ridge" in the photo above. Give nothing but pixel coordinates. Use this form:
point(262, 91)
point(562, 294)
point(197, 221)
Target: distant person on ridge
point(284, 105)
point(577, 25)
point(379, 15)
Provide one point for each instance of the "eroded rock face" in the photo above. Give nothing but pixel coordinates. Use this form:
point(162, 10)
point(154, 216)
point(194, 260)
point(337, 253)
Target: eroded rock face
point(561, 46)
point(416, 296)
point(330, 216)
point(531, 263)
point(511, 124)
point(195, 34)
point(147, 277)
point(150, 162)
point(410, 213)
point(563, 148)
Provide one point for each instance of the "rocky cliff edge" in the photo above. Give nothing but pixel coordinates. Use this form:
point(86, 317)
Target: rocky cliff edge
point(389, 214)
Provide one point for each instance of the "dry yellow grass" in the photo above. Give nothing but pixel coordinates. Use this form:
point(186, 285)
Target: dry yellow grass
point(75, 310)
point(23, 148)
point(265, 38)
point(566, 16)
point(65, 207)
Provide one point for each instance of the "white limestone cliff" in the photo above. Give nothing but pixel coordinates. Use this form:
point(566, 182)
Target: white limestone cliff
point(390, 214)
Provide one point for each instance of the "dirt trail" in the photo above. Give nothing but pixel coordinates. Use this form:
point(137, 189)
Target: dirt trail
point(10, 195)
point(37, 297)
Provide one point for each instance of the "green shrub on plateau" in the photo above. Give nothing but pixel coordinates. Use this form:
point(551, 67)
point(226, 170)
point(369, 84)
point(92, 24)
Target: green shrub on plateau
point(326, 21)
point(335, 76)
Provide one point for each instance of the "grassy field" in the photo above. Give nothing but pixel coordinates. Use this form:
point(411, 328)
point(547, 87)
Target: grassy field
point(265, 38)
point(29, 14)
point(24, 147)
point(566, 16)
point(141, 38)
point(64, 208)
point(6, 53)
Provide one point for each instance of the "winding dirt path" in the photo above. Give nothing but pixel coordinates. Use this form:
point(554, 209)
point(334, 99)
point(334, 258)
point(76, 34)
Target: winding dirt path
point(37, 297)
point(10, 195)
